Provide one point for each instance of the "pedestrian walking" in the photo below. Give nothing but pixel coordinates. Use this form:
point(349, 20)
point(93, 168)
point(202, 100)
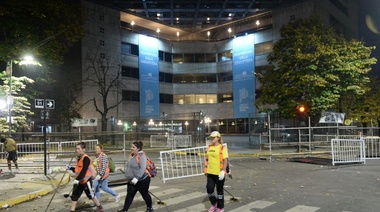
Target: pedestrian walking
point(10, 146)
point(83, 173)
point(138, 179)
point(215, 170)
point(103, 171)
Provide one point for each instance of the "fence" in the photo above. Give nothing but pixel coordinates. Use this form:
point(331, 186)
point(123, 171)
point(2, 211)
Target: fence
point(170, 141)
point(372, 147)
point(182, 163)
point(36, 150)
point(347, 151)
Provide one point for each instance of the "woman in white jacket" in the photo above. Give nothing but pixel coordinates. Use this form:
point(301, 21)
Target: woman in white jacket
point(138, 179)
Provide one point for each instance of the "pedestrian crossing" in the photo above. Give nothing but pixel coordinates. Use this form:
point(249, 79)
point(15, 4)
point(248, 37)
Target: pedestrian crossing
point(181, 200)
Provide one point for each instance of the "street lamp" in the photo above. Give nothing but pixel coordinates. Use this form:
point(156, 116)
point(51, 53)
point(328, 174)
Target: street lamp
point(27, 60)
point(186, 123)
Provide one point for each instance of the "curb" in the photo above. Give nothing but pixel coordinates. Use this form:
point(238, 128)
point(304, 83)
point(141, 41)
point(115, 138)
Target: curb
point(50, 186)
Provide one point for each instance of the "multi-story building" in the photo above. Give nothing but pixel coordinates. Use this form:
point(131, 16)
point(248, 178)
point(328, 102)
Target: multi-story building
point(203, 76)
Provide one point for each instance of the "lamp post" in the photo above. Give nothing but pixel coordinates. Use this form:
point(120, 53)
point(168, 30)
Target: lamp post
point(27, 60)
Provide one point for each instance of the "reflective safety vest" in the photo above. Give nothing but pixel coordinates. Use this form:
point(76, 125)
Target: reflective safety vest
point(100, 166)
point(220, 160)
point(91, 173)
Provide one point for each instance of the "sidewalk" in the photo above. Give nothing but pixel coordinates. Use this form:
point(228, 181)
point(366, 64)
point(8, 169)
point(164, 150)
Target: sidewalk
point(27, 185)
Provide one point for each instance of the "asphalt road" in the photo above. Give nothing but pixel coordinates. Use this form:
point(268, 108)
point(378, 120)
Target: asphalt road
point(260, 185)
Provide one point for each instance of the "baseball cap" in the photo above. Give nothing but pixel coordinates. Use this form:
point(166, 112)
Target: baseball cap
point(215, 134)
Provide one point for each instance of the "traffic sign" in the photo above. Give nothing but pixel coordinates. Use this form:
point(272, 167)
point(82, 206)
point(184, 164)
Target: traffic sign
point(50, 104)
point(44, 103)
point(39, 103)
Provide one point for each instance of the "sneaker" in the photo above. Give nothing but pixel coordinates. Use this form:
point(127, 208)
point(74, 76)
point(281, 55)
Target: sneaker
point(219, 209)
point(17, 171)
point(149, 210)
point(117, 198)
point(99, 208)
point(212, 208)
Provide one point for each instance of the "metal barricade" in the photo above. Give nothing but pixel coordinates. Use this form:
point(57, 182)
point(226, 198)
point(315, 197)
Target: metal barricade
point(159, 141)
point(183, 163)
point(69, 146)
point(372, 147)
point(347, 151)
point(182, 141)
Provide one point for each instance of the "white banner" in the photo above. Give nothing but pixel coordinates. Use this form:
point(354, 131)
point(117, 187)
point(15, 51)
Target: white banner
point(332, 118)
point(84, 122)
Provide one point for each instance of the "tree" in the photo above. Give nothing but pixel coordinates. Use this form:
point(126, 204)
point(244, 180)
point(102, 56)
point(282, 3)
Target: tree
point(20, 107)
point(105, 77)
point(366, 109)
point(43, 28)
point(315, 67)
point(46, 29)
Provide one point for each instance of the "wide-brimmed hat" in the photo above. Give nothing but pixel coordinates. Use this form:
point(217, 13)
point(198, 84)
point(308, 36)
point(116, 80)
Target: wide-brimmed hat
point(215, 134)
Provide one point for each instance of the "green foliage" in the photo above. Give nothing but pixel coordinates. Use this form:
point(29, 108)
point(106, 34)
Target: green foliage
point(43, 28)
point(366, 109)
point(21, 107)
point(315, 67)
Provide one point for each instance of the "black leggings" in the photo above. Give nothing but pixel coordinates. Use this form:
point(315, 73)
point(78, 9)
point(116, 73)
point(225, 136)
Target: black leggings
point(143, 188)
point(212, 181)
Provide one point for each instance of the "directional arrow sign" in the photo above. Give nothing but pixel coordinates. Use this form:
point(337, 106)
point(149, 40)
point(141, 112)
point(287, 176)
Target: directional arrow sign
point(49, 104)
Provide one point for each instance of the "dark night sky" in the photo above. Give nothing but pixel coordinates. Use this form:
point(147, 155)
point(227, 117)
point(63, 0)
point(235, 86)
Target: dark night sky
point(369, 31)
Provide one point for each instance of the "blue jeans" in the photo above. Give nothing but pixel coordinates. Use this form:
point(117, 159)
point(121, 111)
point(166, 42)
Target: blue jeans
point(104, 185)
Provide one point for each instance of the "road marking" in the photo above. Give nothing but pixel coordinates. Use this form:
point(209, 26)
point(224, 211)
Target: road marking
point(184, 198)
point(303, 208)
point(260, 204)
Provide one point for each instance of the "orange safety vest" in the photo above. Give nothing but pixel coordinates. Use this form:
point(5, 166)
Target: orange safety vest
point(220, 159)
point(100, 166)
point(91, 173)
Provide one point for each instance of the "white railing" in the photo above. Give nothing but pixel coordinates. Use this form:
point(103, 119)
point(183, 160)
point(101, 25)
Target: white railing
point(159, 141)
point(182, 141)
point(372, 147)
point(36, 150)
point(183, 163)
point(347, 151)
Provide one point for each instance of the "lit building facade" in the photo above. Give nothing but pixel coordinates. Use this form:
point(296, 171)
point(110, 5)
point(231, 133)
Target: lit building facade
point(206, 78)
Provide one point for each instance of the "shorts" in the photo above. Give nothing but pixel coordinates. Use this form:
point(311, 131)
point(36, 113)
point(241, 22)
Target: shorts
point(79, 188)
point(12, 155)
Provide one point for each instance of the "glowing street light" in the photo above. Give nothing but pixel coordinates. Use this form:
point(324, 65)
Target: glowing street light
point(27, 60)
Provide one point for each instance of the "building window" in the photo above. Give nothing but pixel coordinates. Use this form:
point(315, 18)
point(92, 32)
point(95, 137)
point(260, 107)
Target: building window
point(195, 99)
point(101, 17)
point(133, 96)
point(166, 98)
point(194, 78)
point(264, 48)
point(225, 76)
point(101, 42)
point(292, 17)
point(165, 56)
point(166, 77)
point(225, 97)
point(131, 72)
point(128, 48)
point(101, 30)
point(102, 55)
point(225, 56)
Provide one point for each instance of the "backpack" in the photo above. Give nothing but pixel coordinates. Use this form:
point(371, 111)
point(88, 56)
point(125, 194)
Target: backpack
point(151, 169)
point(111, 164)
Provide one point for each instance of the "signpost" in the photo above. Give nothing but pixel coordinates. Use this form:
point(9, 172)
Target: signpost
point(46, 104)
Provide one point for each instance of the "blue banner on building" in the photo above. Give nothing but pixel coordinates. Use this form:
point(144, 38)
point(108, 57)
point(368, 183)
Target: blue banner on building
point(243, 76)
point(149, 77)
